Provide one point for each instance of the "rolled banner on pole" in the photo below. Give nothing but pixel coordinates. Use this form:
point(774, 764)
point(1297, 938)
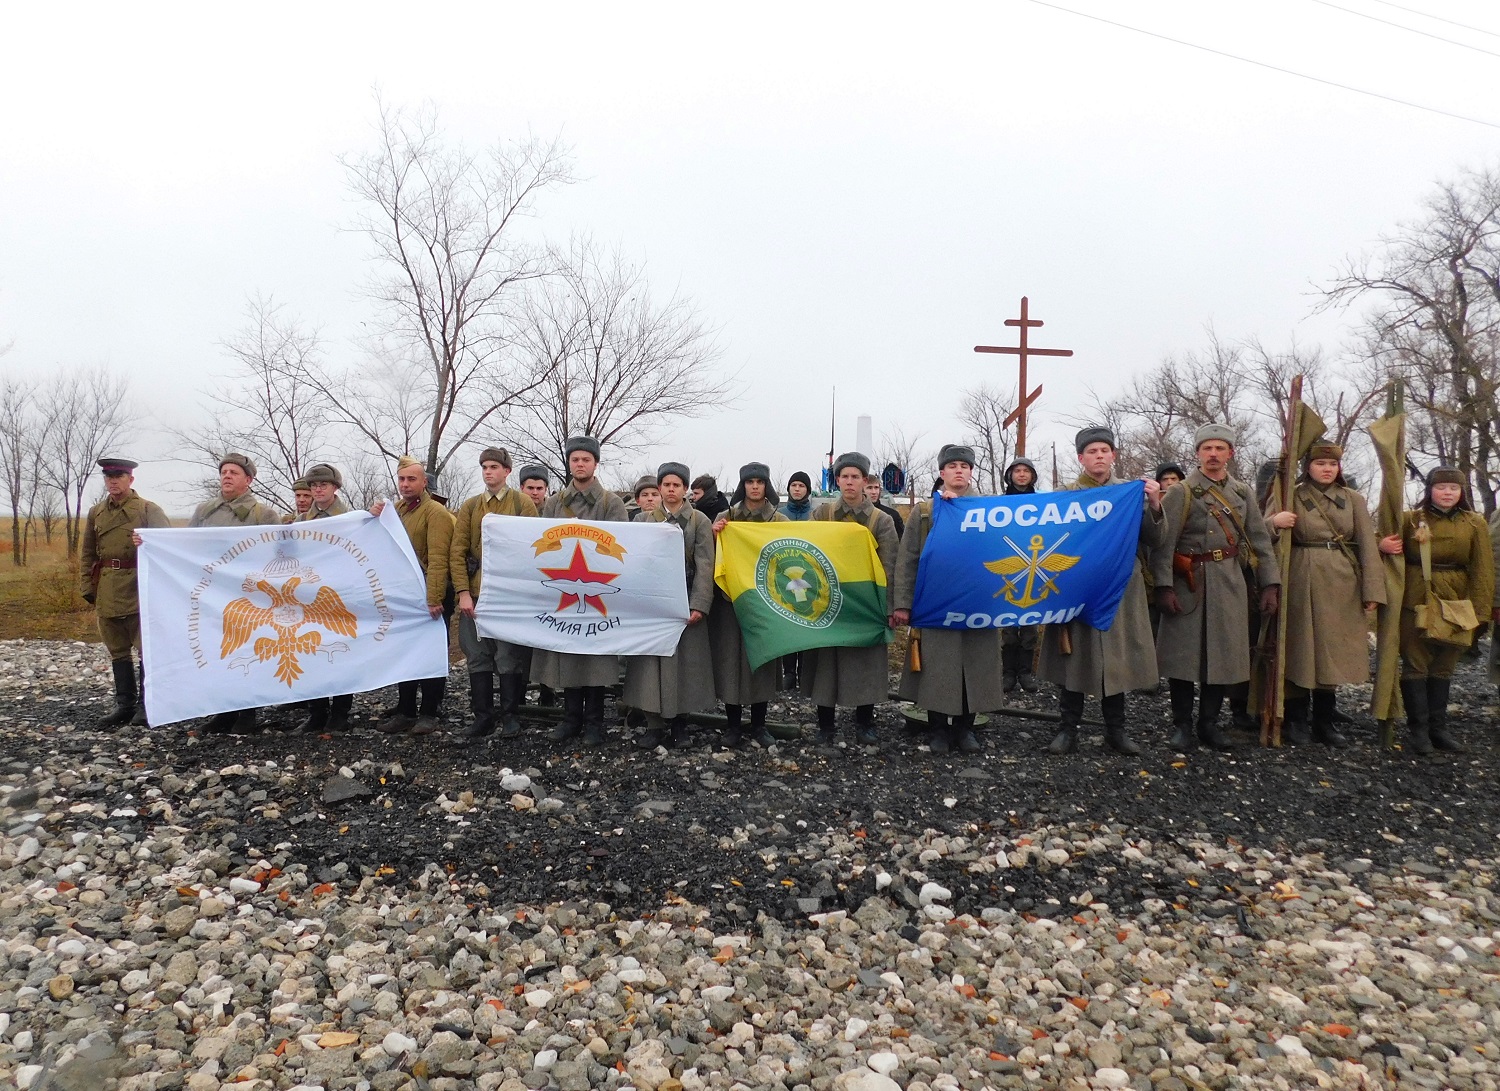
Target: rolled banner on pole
point(1389, 437)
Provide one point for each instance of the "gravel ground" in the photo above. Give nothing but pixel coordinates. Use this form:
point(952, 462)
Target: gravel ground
point(205, 912)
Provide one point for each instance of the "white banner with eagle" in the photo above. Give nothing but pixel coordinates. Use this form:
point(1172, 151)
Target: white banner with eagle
point(243, 617)
point(594, 588)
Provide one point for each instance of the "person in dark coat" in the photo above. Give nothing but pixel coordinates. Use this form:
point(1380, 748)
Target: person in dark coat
point(874, 490)
point(1107, 663)
point(1019, 641)
point(735, 683)
point(798, 505)
point(707, 498)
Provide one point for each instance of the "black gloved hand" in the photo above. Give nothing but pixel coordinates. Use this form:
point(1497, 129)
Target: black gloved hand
point(1270, 600)
point(1166, 600)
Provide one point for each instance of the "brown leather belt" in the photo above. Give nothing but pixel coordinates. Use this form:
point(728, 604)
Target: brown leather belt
point(1416, 562)
point(116, 564)
point(1318, 545)
point(1212, 555)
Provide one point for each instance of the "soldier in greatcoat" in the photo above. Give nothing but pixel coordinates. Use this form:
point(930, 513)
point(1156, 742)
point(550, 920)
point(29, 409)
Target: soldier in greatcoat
point(1444, 530)
point(1335, 576)
point(324, 481)
point(235, 506)
point(960, 669)
point(754, 501)
point(1019, 479)
point(1108, 663)
point(429, 527)
point(668, 687)
point(107, 575)
point(1215, 534)
point(840, 677)
point(487, 659)
point(583, 678)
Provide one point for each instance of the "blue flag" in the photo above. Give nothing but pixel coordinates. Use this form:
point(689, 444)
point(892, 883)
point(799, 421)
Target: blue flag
point(1039, 559)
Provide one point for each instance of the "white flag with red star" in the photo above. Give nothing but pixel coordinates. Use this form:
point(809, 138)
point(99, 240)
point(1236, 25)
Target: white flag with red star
point(592, 588)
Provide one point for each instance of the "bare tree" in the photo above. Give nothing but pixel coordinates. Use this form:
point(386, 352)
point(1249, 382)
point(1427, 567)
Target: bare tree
point(1434, 321)
point(611, 362)
point(982, 414)
point(265, 407)
point(451, 266)
point(908, 452)
point(18, 436)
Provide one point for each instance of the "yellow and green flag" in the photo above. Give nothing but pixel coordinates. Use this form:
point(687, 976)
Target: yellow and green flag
point(820, 585)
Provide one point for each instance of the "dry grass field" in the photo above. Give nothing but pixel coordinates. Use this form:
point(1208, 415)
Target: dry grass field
point(41, 600)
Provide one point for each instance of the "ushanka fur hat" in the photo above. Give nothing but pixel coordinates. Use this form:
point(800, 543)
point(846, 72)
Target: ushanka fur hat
point(851, 459)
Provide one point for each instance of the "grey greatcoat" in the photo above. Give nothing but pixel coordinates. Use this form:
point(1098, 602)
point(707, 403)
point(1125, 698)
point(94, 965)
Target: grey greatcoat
point(845, 677)
point(961, 668)
point(1209, 641)
point(683, 682)
point(1104, 662)
point(1495, 559)
point(243, 511)
point(571, 670)
point(734, 681)
point(1335, 570)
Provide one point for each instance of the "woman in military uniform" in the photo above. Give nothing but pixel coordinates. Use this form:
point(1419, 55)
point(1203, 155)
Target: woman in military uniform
point(735, 683)
point(1447, 550)
point(1335, 576)
point(667, 687)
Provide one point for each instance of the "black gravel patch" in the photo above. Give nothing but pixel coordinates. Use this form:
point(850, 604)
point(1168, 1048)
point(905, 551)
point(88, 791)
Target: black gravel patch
point(792, 831)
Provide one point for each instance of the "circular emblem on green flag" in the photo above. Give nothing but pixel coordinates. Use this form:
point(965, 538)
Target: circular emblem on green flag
point(797, 580)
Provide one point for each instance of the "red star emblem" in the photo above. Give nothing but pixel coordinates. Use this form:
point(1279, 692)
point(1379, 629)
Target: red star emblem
point(569, 583)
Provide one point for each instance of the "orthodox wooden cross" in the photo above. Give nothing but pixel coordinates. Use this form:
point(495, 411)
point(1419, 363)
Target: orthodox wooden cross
point(1025, 397)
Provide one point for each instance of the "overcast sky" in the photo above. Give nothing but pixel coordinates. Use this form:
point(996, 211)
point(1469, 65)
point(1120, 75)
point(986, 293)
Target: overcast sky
point(855, 194)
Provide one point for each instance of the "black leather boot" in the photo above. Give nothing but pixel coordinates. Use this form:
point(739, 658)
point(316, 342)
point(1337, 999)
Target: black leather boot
point(680, 738)
point(1181, 691)
point(1323, 729)
point(1009, 655)
point(864, 725)
point(1070, 712)
point(733, 717)
point(938, 740)
point(758, 733)
point(571, 724)
point(139, 719)
point(1437, 716)
point(511, 686)
point(1239, 709)
point(124, 672)
point(317, 716)
point(481, 706)
point(1414, 697)
point(1210, 701)
point(546, 697)
point(1294, 718)
point(222, 724)
point(828, 730)
point(962, 736)
point(655, 733)
point(593, 716)
point(1025, 657)
point(246, 722)
point(400, 719)
point(430, 711)
point(338, 712)
point(1113, 708)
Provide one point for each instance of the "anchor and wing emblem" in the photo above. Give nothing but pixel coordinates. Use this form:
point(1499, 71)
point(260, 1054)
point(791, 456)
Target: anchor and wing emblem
point(285, 614)
point(1036, 564)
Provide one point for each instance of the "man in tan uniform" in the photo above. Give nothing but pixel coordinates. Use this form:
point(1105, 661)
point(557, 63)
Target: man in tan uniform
point(324, 481)
point(107, 574)
point(487, 658)
point(235, 506)
point(429, 526)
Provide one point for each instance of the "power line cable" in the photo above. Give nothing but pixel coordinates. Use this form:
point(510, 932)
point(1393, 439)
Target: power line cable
point(1409, 30)
point(1439, 18)
point(1272, 67)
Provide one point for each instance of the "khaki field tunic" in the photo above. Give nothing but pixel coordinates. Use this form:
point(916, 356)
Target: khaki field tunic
point(429, 525)
point(1121, 658)
point(961, 668)
point(844, 677)
point(734, 681)
point(338, 507)
point(1210, 641)
point(106, 537)
point(243, 511)
point(570, 670)
point(1327, 637)
point(467, 537)
point(1462, 568)
point(683, 682)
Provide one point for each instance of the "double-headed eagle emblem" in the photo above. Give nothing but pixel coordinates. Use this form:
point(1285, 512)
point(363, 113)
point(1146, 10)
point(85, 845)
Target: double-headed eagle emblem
point(286, 614)
point(1035, 564)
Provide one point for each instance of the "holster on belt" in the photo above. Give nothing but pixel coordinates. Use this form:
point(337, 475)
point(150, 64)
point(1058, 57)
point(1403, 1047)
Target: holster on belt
point(1182, 565)
point(94, 570)
point(472, 564)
